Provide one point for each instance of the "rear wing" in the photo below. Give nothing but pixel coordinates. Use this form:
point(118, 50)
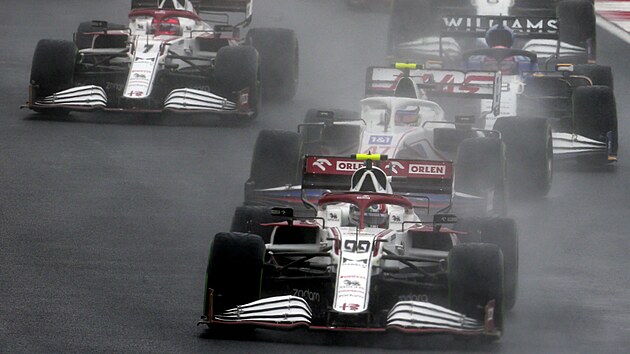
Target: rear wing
point(417, 177)
point(382, 81)
point(522, 26)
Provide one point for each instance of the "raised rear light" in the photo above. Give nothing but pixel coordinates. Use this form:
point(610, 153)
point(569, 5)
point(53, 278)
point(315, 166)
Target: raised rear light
point(169, 26)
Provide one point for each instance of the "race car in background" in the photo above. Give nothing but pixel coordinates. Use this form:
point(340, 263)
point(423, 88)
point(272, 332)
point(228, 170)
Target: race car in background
point(364, 260)
point(549, 70)
point(412, 112)
point(168, 58)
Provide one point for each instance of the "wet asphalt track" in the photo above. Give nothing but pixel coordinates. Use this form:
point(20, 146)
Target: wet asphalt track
point(105, 219)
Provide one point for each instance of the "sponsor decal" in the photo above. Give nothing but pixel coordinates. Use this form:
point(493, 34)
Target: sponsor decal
point(422, 169)
point(349, 165)
point(350, 307)
point(322, 164)
point(380, 140)
point(394, 166)
point(114, 86)
point(517, 24)
point(414, 297)
point(307, 294)
point(350, 262)
point(351, 283)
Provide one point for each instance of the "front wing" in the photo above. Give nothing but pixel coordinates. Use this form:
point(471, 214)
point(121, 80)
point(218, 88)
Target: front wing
point(290, 312)
point(185, 100)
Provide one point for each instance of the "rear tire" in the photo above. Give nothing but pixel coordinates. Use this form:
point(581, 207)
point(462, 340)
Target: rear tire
point(576, 20)
point(234, 270)
point(529, 150)
point(235, 69)
point(475, 277)
point(276, 159)
point(480, 167)
point(279, 61)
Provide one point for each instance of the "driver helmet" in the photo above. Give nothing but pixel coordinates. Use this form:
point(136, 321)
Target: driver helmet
point(406, 117)
point(500, 36)
point(376, 215)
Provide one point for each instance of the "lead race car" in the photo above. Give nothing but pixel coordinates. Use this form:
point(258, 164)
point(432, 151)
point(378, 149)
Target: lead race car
point(174, 55)
point(366, 261)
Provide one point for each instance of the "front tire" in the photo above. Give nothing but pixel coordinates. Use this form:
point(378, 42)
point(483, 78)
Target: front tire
point(475, 277)
point(234, 271)
point(236, 69)
point(503, 233)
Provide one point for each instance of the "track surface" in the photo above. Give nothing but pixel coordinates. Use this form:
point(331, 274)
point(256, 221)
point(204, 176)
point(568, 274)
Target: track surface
point(105, 219)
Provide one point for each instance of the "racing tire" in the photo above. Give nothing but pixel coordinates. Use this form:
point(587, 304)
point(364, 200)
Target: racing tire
point(276, 159)
point(529, 151)
point(481, 166)
point(576, 20)
point(52, 70)
point(475, 277)
point(599, 74)
point(279, 61)
point(236, 69)
point(234, 271)
point(248, 218)
point(83, 40)
point(595, 117)
point(503, 233)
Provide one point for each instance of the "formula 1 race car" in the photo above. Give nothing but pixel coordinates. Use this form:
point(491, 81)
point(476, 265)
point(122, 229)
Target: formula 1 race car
point(400, 116)
point(168, 58)
point(365, 260)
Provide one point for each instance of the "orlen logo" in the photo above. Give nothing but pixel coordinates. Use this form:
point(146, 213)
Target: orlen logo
point(437, 170)
point(349, 165)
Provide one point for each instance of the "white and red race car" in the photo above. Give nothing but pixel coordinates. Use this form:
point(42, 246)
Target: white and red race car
point(367, 261)
point(174, 55)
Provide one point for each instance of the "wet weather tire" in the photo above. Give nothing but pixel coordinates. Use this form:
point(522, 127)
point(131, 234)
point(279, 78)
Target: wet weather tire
point(234, 270)
point(480, 167)
point(279, 61)
point(576, 20)
point(275, 160)
point(53, 66)
point(503, 233)
point(529, 151)
point(475, 277)
point(236, 69)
